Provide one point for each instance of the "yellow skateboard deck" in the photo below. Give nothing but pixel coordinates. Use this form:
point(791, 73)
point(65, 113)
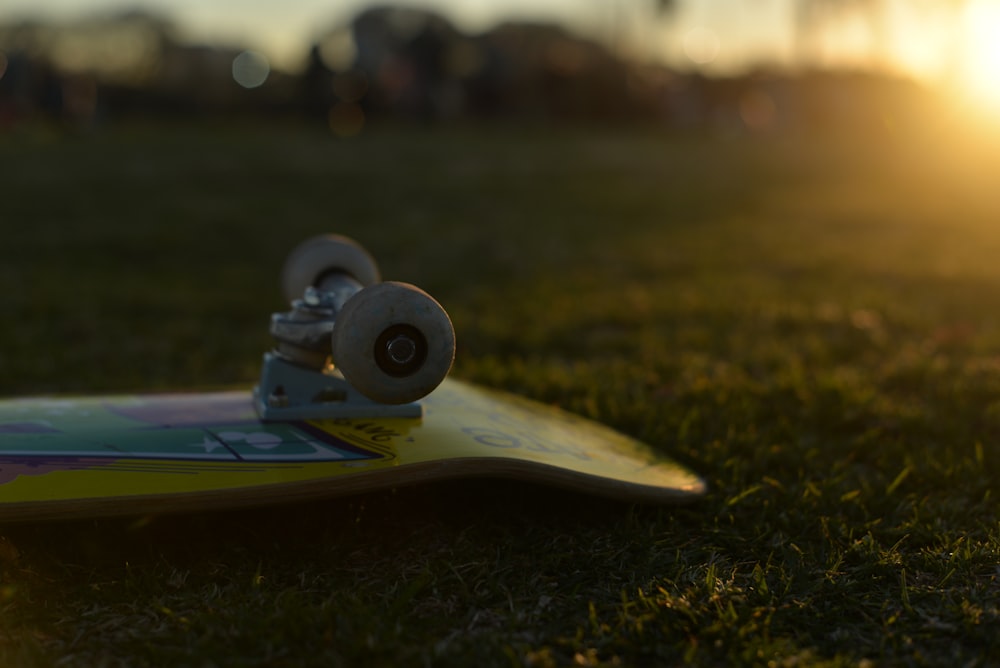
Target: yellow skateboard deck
point(133, 455)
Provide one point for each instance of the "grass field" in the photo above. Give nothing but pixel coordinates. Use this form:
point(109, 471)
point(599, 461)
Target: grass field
point(812, 323)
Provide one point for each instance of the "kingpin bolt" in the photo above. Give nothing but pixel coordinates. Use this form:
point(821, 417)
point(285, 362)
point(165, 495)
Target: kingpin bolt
point(401, 349)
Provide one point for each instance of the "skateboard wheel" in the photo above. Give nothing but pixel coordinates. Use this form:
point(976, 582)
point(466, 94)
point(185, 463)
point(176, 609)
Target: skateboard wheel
point(393, 342)
point(324, 254)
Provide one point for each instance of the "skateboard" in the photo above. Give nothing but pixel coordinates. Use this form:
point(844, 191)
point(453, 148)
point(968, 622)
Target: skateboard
point(354, 397)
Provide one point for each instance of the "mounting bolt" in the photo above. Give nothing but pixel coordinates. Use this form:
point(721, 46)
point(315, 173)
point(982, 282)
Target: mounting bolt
point(312, 297)
point(278, 398)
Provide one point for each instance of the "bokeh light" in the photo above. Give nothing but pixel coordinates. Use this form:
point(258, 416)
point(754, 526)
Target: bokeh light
point(338, 50)
point(251, 69)
point(701, 45)
point(346, 119)
point(350, 86)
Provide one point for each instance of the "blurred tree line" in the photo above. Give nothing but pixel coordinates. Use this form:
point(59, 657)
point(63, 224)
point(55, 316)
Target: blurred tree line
point(413, 64)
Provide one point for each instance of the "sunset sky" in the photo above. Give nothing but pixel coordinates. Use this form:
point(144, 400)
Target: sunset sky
point(933, 43)
point(746, 28)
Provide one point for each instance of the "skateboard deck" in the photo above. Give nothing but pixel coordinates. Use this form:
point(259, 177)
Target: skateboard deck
point(133, 455)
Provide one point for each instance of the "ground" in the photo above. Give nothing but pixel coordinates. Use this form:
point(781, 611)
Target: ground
point(810, 320)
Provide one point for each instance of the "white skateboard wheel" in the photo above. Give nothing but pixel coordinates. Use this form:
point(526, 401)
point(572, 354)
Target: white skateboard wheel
point(393, 342)
point(321, 255)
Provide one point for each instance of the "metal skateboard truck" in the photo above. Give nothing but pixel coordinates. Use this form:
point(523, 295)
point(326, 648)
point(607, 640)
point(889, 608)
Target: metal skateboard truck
point(351, 345)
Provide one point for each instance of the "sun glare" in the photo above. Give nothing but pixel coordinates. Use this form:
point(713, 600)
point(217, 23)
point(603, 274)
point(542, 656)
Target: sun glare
point(981, 54)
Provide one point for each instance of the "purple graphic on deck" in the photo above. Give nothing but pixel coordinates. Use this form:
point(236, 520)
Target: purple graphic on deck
point(173, 433)
point(180, 410)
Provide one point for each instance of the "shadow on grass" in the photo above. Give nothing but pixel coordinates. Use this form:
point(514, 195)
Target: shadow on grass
point(386, 519)
point(433, 572)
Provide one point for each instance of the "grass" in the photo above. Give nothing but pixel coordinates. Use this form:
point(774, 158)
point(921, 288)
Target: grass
point(810, 322)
